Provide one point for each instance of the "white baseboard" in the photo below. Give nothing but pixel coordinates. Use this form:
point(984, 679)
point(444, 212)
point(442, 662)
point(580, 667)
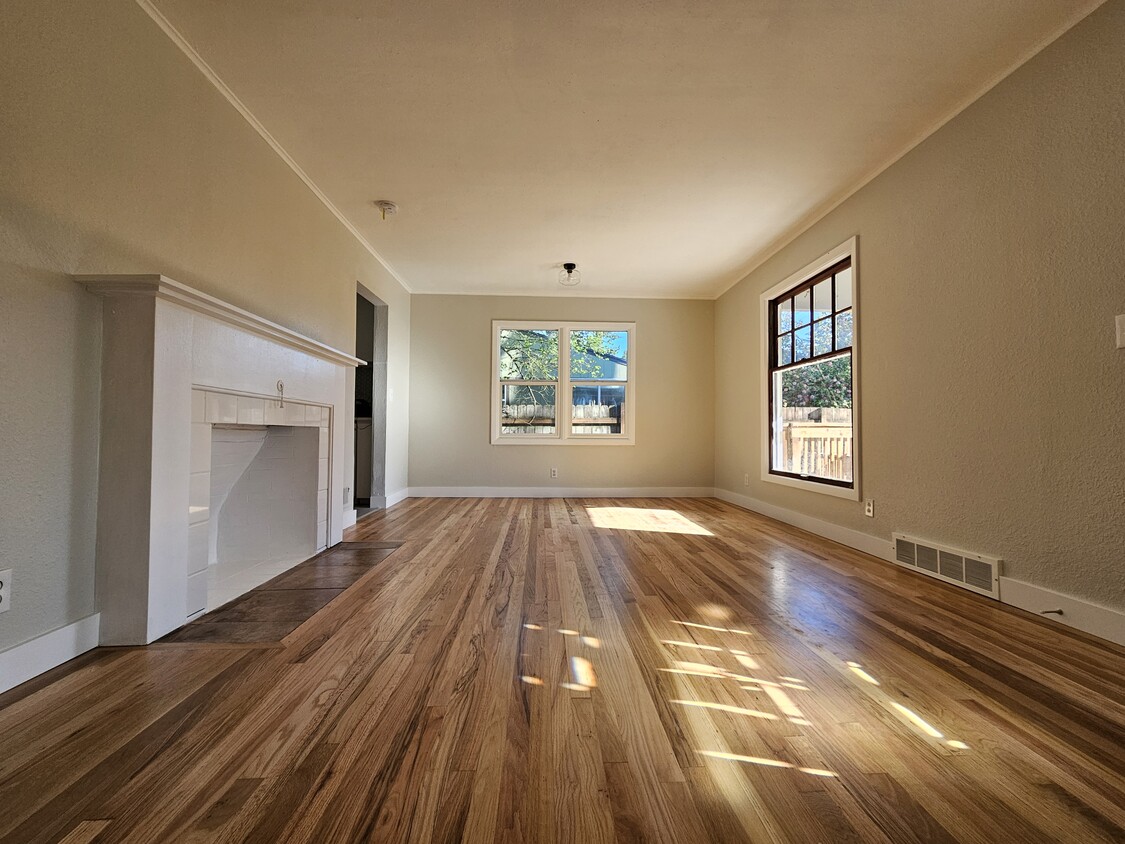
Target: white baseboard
point(349, 518)
point(1103, 622)
point(32, 658)
point(865, 542)
point(560, 492)
point(394, 498)
point(1096, 620)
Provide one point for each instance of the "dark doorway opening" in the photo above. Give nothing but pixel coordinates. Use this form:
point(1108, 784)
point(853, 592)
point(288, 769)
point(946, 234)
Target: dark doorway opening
point(370, 403)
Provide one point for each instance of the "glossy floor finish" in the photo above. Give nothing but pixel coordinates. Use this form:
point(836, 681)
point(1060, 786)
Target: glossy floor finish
point(273, 610)
point(586, 671)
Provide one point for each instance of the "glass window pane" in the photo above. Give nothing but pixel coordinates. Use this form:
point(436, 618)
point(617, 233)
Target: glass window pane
point(598, 409)
point(822, 336)
point(599, 355)
point(802, 303)
point(813, 420)
point(529, 354)
point(785, 350)
point(844, 330)
point(527, 409)
point(802, 347)
point(785, 316)
point(844, 289)
point(822, 299)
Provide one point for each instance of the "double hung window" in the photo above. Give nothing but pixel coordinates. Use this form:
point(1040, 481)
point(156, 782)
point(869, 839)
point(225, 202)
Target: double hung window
point(810, 327)
point(562, 382)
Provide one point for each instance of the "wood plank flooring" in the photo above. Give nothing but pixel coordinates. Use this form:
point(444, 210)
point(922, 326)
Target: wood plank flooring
point(280, 605)
point(586, 671)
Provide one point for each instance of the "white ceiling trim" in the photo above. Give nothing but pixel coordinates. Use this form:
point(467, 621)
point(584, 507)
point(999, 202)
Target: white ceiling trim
point(830, 205)
point(214, 78)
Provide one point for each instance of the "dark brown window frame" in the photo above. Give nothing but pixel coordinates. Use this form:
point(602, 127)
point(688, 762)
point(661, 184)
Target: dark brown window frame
point(791, 294)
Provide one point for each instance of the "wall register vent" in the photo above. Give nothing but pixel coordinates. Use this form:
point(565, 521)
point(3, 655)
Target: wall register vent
point(976, 572)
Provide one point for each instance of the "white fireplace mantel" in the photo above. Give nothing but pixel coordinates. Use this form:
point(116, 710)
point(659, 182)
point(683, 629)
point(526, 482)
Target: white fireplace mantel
point(162, 340)
point(170, 290)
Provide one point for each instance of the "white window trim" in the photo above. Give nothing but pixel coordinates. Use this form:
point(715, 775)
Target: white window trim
point(849, 248)
point(563, 434)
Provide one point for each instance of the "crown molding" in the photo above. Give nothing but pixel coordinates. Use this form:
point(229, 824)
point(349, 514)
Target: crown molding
point(209, 72)
point(169, 290)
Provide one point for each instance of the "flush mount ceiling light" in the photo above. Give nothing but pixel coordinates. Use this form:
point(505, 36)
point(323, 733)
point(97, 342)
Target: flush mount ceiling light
point(569, 275)
point(386, 206)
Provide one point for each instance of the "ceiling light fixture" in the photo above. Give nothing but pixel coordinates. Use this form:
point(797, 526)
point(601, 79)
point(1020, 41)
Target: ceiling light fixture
point(386, 206)
point(569, 275)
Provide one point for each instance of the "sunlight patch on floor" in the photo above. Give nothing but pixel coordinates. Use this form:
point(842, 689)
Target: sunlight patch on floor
point(644, 519)
point(726, 707)
point(768, 763)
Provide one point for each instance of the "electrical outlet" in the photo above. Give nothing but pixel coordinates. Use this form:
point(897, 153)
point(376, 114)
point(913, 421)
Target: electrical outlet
point(1121, 331)
point(554, 472)
point(869, 507)
point(5, 590)
point(347, 495)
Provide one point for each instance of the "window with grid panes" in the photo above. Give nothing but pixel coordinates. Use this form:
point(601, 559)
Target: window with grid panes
point(811, 379)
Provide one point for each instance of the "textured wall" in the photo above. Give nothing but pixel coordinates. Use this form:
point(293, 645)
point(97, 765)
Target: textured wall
point(451, 364)
point(119, 156)
point(991, 270)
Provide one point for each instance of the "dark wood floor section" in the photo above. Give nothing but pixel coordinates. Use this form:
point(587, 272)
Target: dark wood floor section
point(586, 671)
point(279, 606)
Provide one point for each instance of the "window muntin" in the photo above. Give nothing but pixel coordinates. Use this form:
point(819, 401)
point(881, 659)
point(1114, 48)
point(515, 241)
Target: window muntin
point(561, 382)
point(811, 379)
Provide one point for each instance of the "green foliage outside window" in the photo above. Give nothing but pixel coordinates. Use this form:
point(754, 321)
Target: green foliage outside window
point(822, 384)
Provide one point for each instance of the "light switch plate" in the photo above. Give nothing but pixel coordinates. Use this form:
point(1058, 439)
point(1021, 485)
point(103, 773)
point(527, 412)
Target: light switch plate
point(1121, 331)
point(5, 589)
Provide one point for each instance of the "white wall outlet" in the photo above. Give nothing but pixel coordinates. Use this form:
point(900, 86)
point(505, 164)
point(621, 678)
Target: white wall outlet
point(1121, 331)
point(347, 496)
point(554, 472)
point(869, 507)
point(5, 590)
point(746, 479)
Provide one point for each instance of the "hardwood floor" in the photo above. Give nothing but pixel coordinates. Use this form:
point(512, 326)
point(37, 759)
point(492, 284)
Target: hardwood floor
point(584, 671)
point(281, 605)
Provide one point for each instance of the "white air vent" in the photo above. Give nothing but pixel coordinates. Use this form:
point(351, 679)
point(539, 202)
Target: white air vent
point(962, 568)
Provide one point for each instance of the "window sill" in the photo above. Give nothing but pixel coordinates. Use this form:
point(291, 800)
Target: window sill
point(618, 440)
point(848, 493)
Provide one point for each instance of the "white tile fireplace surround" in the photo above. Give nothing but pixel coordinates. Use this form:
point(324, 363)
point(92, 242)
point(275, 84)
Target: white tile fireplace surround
point(185, 378)
point(258, 499)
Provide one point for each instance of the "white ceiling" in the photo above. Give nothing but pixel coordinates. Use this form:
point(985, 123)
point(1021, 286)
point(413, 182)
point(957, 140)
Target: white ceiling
point(666, 146)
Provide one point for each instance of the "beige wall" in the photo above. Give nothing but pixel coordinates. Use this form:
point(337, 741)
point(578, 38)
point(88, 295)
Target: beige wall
point(992, 264)
point(119, 156)
point(450, 375)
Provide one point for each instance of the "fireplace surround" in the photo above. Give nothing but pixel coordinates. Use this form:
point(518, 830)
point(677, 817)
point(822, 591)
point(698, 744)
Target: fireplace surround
point(175, 363)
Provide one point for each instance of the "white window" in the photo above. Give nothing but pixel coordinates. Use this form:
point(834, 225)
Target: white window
point(810, 380)
point(562, 383)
